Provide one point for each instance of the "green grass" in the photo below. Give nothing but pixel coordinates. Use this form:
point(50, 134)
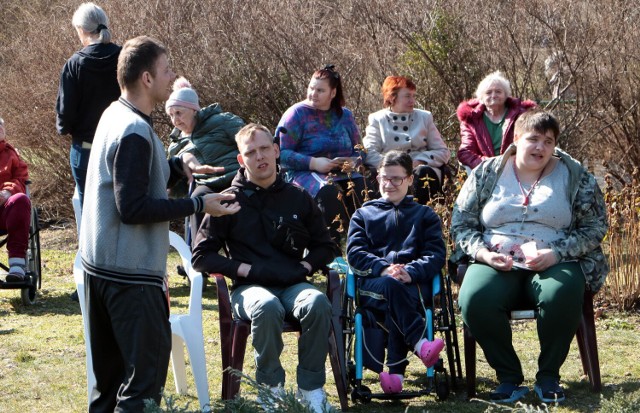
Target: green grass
point(42, 356)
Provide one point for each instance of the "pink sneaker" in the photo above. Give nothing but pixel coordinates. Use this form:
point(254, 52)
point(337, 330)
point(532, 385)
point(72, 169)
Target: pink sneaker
point(430, 351)
point(390, 383)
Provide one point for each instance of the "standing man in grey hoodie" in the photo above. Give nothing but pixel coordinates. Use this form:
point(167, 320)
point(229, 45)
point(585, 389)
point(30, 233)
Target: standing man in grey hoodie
point(124, 239)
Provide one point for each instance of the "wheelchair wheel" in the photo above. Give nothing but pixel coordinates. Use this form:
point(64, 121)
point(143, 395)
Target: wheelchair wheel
point(348, 333)
point(34, 267)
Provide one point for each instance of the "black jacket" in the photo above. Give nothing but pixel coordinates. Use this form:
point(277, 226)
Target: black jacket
point(88, 85)
point(247, 235)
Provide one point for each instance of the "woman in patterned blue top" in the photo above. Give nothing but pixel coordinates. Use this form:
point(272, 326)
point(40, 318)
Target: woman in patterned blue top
point(319, 149)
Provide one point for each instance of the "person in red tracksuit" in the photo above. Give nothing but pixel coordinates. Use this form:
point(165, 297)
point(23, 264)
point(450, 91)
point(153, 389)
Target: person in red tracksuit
point(15, 207)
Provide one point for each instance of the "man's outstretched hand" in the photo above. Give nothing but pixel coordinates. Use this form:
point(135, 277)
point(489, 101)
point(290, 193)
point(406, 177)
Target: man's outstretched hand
point(214, 207)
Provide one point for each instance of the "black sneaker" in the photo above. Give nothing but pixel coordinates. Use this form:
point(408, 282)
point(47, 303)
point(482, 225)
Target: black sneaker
point(508, 393)
point(16, 277)
point(74, 296)
point(549, 391)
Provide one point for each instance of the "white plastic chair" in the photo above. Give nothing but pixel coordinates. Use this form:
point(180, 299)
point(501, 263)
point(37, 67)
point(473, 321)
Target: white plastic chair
point(78, 276)
point(77, 209)
point(185, 328)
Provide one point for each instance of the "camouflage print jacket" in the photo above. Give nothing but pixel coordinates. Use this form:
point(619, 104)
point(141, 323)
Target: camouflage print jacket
point(583, 238)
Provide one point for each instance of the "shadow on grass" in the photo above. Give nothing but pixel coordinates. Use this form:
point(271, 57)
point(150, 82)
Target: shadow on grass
point(46, 304)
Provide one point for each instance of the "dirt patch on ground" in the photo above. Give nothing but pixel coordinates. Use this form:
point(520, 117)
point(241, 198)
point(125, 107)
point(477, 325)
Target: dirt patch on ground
point(59, 237)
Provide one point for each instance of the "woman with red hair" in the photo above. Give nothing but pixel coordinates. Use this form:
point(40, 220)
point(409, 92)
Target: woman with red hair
point(399, 126)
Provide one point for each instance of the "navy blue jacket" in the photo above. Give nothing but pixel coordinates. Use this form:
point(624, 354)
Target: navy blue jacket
point(381, 234)
point(88, 85)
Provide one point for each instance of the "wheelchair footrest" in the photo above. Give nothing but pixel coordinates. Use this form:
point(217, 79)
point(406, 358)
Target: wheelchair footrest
point(17, 285)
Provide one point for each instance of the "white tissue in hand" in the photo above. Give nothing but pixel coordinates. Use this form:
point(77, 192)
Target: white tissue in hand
point(529, 249)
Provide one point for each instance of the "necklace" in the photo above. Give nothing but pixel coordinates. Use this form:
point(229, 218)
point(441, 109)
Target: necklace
point(526, 194)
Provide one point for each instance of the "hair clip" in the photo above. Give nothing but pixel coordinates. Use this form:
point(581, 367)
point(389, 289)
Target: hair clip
point(332, 70)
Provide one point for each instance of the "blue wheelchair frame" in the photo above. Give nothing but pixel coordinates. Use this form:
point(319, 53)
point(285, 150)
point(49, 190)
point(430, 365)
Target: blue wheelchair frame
point(446, 324)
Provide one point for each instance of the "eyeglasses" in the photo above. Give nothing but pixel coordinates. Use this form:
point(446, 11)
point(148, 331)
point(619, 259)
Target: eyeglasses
point(393, 180)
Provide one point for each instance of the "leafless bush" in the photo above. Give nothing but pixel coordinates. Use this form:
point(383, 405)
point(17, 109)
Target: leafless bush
point(623, 206)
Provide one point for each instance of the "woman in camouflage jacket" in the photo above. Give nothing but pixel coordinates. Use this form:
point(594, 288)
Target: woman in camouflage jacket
point(533, 196)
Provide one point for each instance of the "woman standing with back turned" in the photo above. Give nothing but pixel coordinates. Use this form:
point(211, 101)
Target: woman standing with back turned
point(88, 85)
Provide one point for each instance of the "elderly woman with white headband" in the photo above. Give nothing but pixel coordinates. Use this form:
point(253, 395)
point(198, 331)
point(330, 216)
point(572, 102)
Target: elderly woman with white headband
point(487, 122)
point(204, 138)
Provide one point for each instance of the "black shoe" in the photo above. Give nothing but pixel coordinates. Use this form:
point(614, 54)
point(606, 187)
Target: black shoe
point(74, 296)
point(549, 391)
point(508, 393)
point(16, 277)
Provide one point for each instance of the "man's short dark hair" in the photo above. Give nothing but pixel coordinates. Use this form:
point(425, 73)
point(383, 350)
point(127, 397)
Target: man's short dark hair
point(138, 55)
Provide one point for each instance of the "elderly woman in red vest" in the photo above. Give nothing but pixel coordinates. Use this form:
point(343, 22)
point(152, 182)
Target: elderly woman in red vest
point(486, 122)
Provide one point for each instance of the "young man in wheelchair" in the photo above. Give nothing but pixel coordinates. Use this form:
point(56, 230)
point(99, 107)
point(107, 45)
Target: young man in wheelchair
point(15, 207)
point(395, 247)
point(268, 264)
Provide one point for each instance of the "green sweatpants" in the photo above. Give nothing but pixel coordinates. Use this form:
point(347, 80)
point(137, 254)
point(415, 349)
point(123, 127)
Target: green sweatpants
point(487, 296)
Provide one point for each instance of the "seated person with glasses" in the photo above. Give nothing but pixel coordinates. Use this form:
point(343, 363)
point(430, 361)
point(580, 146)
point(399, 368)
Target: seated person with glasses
point(395, 247)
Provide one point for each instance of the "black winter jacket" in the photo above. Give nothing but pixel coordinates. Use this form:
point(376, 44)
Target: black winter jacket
point(247, 235)
point(88, 85)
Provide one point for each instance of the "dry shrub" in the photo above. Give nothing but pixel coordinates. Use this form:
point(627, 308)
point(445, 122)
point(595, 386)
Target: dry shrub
point(623, 210)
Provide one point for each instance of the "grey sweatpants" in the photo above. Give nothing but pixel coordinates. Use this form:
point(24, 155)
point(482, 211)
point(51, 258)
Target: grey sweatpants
point(267, 308)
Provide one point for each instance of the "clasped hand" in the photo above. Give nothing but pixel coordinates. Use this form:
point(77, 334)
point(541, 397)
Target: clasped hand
point(544, 259)
point(398, 272)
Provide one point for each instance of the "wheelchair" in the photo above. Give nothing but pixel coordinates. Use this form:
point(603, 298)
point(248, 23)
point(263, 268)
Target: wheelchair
point(33, 281)
point(363, 330)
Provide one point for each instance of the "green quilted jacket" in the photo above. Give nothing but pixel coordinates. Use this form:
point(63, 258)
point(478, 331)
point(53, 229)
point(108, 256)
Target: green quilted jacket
point(583, 238)
point(212, 143)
